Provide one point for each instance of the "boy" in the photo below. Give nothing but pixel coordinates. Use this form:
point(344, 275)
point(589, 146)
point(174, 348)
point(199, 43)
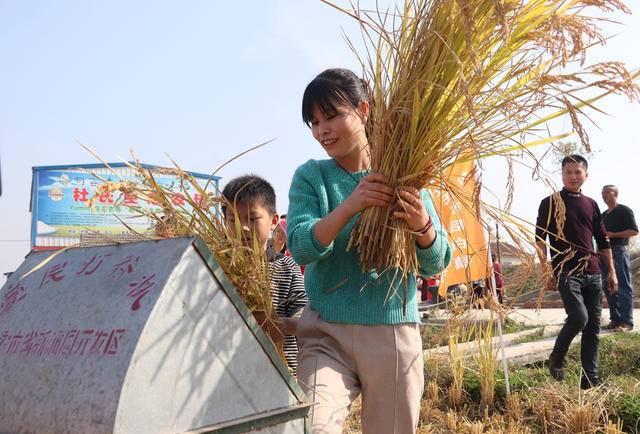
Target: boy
point(571, 220)
point(254, 200)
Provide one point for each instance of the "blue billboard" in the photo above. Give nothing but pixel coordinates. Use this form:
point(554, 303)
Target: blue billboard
point(66, 204)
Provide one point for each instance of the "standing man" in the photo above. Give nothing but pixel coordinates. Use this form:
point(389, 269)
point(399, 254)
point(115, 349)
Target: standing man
point(620, 225)
point(571, 220)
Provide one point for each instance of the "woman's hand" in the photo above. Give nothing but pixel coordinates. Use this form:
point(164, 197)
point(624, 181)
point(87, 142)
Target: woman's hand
point(372, 190)
point(411, 208)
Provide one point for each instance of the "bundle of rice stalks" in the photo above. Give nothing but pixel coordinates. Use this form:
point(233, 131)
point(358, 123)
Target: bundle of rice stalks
point(195, 209)
point(453, 80)
point(487, 360)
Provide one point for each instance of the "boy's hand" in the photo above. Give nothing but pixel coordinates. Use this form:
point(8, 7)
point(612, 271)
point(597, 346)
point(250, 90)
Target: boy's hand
point(271, 327)
point(289, 325)
point(372, 190)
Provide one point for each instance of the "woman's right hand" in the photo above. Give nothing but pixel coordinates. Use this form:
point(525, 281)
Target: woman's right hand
point(372, 190)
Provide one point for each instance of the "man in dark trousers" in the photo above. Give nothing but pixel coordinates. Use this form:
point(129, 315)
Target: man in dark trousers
point(571, 220)
point(620, 225)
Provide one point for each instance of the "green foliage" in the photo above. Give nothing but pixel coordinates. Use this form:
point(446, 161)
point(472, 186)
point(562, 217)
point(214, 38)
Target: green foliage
point(562, 149)
point(619, 355)
point(531, 337)
point(627, 408)
point(511, 326)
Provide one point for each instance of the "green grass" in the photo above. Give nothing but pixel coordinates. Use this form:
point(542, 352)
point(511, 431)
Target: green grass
point(531, 337)
point(511, 326)
point(436, 336)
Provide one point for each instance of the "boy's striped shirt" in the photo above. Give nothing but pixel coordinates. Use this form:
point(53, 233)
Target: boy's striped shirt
point(289, 297)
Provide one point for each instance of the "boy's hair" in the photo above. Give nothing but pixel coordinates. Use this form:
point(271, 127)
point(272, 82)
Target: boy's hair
point(574, 158)
point(250, 189)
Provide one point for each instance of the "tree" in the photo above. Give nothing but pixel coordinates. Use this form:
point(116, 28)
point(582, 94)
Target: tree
point(562, 149)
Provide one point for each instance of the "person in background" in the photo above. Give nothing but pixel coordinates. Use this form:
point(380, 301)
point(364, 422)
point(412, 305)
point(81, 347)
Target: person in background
point(279, 237)
point(279, 240)
point(254, 201)
point(620, 225)
point(499, 278)
point(571, 221)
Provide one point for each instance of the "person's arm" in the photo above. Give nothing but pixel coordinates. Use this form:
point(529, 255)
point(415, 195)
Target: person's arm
point(499, 277)
point(541, 251)
point(611, 276)
point(432, 248)
point(293, 298)
point(296, 295)
point(628, 233)
point(604, 248)
point(542, 231)
point(372, 190)
point(308, 203)
point(546, 267)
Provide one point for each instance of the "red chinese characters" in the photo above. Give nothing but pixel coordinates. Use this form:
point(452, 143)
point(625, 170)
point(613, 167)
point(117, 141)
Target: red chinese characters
point(80, 195)
point(14, 294)
point(91, 265)
point(141, 288)
point(106, 197)
point(62, 343)
point(125, 266)
point(178, 199)
point(54, 273)
point(130, 199)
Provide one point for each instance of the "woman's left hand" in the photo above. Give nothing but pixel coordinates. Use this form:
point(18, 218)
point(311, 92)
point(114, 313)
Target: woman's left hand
point(411, 208)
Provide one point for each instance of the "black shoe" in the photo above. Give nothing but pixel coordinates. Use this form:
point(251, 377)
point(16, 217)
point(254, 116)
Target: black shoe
point(556, 367)
point(623, 328)
point(612, 325)
point(588, 383)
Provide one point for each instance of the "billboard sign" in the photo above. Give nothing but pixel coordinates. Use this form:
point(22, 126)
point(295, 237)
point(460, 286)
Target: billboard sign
point(61, 199)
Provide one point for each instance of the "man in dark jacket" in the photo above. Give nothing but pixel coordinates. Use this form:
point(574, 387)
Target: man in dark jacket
point(571, 220)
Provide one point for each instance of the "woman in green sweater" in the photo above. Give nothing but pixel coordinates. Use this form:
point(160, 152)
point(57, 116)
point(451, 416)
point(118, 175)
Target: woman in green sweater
point(355, 336)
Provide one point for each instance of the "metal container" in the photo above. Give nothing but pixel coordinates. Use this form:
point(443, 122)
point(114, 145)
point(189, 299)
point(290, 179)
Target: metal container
point(146, 337)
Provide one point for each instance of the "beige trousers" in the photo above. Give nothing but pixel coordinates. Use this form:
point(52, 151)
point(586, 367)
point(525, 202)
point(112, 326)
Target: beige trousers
point(338, 362)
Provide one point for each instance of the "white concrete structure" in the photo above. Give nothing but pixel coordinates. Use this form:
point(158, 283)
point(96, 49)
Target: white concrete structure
point(146, 337)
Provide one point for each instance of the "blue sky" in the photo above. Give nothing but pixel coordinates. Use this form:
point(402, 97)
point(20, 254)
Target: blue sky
point(202, 81)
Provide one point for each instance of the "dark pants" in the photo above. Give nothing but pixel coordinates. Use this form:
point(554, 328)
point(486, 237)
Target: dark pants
point(582, 302)
point(620, 303)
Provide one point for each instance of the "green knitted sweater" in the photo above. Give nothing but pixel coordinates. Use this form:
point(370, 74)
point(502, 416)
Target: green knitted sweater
point(337, 287)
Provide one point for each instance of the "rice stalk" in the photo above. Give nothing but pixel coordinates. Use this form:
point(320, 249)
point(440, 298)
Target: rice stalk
point(451, 80)
point(613, 428)
point(196, 210)
point(455, 392)
point(451, 421)
point(487, 361)
point(432, 392)
point(514, 407)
